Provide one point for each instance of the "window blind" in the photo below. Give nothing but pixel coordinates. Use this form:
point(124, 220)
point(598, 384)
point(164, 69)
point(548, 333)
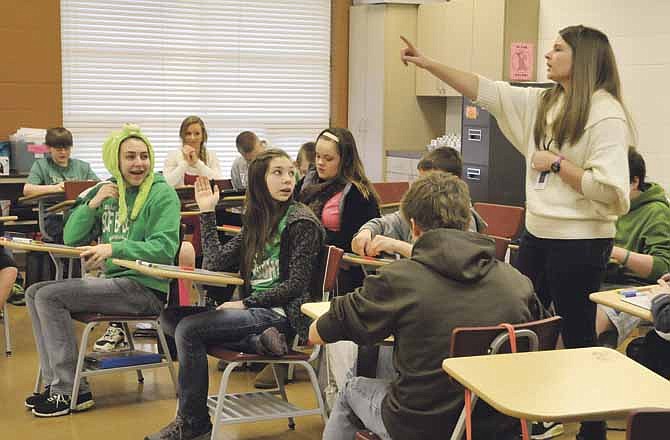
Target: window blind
point(259, 65)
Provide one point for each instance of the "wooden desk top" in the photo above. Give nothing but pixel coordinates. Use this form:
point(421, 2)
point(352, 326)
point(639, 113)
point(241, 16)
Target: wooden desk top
point(13, 179)
point(56, 249)
point(224, 279)
point(579, 384)
point(43, 196)
point(61, 207)
point(229, 229)
point(8, 218)
point(315, 309)
point(612, 298)
point(189, 213)
point(366, 261)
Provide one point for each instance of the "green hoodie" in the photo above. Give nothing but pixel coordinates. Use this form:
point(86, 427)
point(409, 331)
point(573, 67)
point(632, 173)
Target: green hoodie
point(646, 230)
point(153, 236)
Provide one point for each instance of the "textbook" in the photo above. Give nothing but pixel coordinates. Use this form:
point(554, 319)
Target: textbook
point(121, 359)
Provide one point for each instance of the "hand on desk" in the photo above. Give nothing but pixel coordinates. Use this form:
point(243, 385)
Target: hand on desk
point(360, 241)
point(204, 196)
point(108, 190)
point(95, 256)
point(238, 305)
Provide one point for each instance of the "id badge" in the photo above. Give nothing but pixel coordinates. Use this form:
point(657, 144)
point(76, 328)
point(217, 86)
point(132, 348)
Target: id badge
point(542, 180)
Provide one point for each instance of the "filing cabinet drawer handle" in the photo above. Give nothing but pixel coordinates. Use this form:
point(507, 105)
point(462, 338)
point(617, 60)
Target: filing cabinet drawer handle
point(475, 134)
point(473, 173)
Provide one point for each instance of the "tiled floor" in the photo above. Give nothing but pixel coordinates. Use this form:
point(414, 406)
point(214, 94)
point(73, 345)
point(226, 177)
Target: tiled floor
point(127, 410)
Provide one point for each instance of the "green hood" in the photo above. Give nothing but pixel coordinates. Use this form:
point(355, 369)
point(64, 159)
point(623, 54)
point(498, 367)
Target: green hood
point(653, 193)
point(110, 157)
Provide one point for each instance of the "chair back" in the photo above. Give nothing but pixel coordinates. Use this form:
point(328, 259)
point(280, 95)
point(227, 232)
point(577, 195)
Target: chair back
point(332, 256)
point(223, 184)
point(502, 244)
point(646, 424)
point(503, 220)
point(476, 341)
point(390, 192)
point(75, 187)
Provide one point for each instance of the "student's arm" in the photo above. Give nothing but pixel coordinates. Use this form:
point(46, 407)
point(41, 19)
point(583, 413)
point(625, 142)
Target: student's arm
point(36, 182)
point(389, 225)
point(161, 241)
point(174, 168)
point(83, 223)
point(660, 310)
point(212, 169)
point(465, 83)
point(235, 178)
point(216, 256)
point(366, 316)
point(653, 260)
point(306, 239)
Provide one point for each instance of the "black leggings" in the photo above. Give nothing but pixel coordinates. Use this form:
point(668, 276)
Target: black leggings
point(565, 272)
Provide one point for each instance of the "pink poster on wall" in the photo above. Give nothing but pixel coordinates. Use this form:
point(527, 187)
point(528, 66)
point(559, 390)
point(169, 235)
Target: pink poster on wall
point(521, 61)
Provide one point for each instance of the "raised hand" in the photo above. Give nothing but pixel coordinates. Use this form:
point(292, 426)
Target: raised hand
point(108, 190)
point(411, 54)
point(204, 196)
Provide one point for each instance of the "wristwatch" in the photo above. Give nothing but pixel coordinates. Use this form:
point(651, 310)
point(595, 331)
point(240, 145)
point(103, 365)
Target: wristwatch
point(556, 166)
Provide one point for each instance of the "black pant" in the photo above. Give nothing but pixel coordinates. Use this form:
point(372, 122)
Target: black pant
point(566, 272)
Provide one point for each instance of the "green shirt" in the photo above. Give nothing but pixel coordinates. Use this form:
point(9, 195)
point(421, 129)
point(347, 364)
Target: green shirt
point(47, 172)
point(265, 275)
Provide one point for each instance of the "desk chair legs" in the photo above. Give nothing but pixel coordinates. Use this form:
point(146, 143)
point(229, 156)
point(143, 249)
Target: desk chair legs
point(8, 339)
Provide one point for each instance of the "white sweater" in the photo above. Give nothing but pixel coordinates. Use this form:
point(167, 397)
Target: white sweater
point(175, 167)
point(558, 211)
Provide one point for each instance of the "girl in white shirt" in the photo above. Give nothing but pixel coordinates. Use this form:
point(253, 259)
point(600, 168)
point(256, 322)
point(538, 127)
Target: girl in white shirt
point(193, 159)
point(574, 137)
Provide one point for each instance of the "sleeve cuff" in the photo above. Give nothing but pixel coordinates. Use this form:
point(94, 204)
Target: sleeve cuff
point(117, 249)
point(487, 94)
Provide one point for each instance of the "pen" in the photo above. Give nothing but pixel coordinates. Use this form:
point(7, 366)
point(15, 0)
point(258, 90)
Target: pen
point(629, 293)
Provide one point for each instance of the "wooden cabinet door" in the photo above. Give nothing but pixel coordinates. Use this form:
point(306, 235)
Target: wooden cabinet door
point(488, 28)
point(430, 19)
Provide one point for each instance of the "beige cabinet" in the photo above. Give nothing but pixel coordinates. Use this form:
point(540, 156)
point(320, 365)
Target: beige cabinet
point(384, 112)
point(473, 35)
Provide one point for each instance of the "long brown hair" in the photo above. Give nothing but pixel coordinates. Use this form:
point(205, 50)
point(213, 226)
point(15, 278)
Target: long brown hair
point(593, 68)
point(351, 167)
point(262, 213)
point(182, 134)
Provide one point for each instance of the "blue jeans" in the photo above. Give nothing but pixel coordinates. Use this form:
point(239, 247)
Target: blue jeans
point(359, 402)
point(50, 304)
point(194, 328)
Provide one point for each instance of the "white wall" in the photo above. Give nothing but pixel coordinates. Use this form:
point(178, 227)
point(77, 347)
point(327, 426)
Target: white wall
point(640, 35)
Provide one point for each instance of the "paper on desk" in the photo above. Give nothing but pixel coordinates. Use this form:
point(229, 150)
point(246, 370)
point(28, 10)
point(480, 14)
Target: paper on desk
point(640, 300)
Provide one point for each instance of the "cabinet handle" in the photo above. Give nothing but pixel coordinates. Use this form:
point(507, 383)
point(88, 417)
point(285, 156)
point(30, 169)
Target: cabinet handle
point(473, 173)
point(475, 134)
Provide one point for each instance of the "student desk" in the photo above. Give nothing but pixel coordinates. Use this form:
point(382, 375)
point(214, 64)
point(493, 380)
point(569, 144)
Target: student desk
point(224, 279)
point(57, 252)
point(8, 218)
point(316, 309)
point(61, 206)
point(579, 384)
point(42, 200)
point(229, 229)
point(612, 298)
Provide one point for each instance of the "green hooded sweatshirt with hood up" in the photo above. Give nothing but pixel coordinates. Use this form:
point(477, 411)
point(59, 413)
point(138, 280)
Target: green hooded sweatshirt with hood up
point(142, 224)
point(646, 230)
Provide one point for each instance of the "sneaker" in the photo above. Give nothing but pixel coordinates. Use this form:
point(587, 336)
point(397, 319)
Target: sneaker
point(545, 430)
point(592, 431)
point(271, 343)
point(180, 430)
point(59, 405)
point(265, 380)
point(17, 297)
point(114, 339)
point(36, 399)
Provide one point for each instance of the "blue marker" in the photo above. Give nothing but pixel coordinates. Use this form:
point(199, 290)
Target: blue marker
point(629, 293)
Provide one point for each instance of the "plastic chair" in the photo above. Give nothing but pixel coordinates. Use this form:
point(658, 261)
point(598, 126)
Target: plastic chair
point(476, 341)
point(503, 220)
point(646, 424)
point(390, 193)
point(265, 405)
point(502, 247)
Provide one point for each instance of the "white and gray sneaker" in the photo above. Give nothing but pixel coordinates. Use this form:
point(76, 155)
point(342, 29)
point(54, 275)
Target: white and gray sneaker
point(545, 430)
point(114, 339)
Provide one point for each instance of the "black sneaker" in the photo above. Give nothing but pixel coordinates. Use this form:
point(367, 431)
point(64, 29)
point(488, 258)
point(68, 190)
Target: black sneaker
point(545, 430)
point(36, 399)
point(592, 431)
point(59, 405)
point(180, 430)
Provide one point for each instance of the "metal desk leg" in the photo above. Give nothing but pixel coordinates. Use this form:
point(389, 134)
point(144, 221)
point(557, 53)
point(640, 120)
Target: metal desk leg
point(59, 266)
point(41, 220)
